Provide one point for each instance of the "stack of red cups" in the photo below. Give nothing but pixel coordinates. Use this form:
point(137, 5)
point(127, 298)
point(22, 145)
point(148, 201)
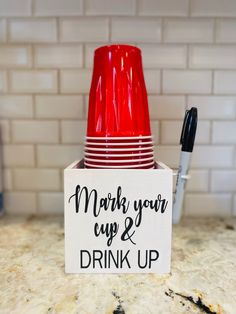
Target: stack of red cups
point(118, 131)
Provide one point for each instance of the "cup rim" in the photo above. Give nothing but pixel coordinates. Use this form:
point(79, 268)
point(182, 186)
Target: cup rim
point(116, 47)
point(111, 138)
point(118, 155)
point(119, 149)
point(118, 161)
point(120, 167)
point(119, 144)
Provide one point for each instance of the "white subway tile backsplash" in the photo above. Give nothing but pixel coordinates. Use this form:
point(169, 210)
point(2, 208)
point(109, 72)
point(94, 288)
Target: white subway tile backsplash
point(163, 7)
point(73, 132)
point(110, 7)
point(36, 179)
point(18, 155)
point(16, 106)
point(212, 156)
point(15, 56)
point(213, 8)
point(234, 206)
point(58, 56)
point(186, 81)
point(224, 132)
point(225, 30)
point(198, 181)
point(203, 133)
point(19, 203)
point(84, 30)
point(51, 203)
point(3, 30)
point(224, 82)
point(168, 154)
point(214, 107)
point(86, 100)
point(164, 56)
point(188, 30)
point(56, 156)
point(4, 131)
point(75, 81)
point(33, 30)
point(15, 8)
point(166, 107)
point(208, 205)
point(223, 180)
point(213, 57)
point(135, 30)
point(3, 81)
point(152, 80)
point(58, 7)
point(46, 63)
point(171, 131)
point(33, 131)
point(58, 106)
point(40, 81)
point(155, 130)
point(7, 179)
point(89, 53)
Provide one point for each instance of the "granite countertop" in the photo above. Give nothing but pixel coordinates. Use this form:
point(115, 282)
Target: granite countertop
point(32, 278)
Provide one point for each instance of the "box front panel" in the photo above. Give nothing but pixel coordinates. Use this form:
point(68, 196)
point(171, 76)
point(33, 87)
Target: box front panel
point(118, 221)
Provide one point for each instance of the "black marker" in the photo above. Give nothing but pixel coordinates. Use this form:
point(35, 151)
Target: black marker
point(187, 141)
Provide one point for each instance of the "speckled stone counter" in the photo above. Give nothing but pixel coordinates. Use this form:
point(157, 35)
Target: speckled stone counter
point(32, 278)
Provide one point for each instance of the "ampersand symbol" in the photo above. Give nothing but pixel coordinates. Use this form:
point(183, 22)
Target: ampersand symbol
point(125, 235)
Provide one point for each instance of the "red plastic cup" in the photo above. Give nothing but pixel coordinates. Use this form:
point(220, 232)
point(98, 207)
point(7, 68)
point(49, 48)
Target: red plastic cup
point(131, 160)
point(118, 156)
point(138, 168)
point(110, 153)
point(120, 140)
point(119, 143)
point(147, 165)
point(118, 105)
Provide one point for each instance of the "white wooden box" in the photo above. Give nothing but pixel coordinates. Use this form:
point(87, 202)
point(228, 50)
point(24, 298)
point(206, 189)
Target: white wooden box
point(118, 221)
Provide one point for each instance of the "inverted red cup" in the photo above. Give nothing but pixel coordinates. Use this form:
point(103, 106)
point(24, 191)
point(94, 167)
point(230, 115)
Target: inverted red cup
point(118, 105)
